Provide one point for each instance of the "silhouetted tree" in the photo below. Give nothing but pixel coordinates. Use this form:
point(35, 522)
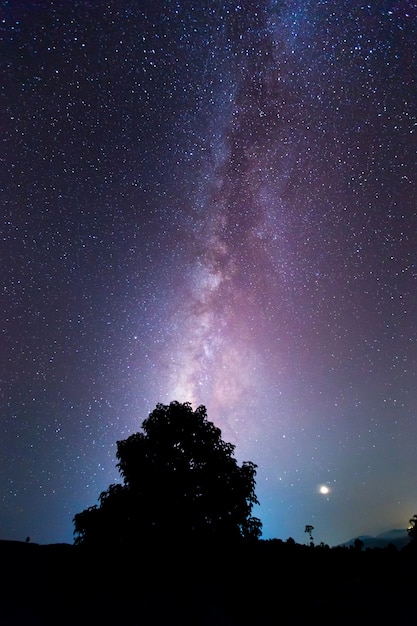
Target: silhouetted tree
point(358, 544)
point(309, 529)
point(180, 482)
point(412, 530)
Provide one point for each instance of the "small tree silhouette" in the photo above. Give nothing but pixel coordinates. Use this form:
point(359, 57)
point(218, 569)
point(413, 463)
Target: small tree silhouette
point(309, 529)
point(412, 530)
point(358, 544)
point(180, 482)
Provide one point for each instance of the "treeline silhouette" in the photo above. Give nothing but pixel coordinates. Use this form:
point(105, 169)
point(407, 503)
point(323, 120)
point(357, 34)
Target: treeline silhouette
point(176, 544)
point(252, 584)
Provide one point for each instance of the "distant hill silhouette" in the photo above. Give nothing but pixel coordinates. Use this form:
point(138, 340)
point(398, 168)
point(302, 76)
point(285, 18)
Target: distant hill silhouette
point(398, 537)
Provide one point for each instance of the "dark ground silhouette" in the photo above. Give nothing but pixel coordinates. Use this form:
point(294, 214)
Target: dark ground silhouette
point(267, 582)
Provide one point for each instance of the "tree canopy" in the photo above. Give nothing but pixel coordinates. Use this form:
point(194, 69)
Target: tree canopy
point(180, 481)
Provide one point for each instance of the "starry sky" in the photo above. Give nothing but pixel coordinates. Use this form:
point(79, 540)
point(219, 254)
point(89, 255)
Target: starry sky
point(211, 202)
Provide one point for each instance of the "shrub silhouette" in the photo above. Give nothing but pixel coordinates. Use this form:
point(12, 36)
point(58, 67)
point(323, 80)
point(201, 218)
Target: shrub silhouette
point(180, 482)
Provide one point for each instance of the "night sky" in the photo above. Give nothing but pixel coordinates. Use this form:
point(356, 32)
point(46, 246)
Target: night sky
point(211, 202)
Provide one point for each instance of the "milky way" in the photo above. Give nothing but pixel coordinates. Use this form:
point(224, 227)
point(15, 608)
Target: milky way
point(214, 203)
